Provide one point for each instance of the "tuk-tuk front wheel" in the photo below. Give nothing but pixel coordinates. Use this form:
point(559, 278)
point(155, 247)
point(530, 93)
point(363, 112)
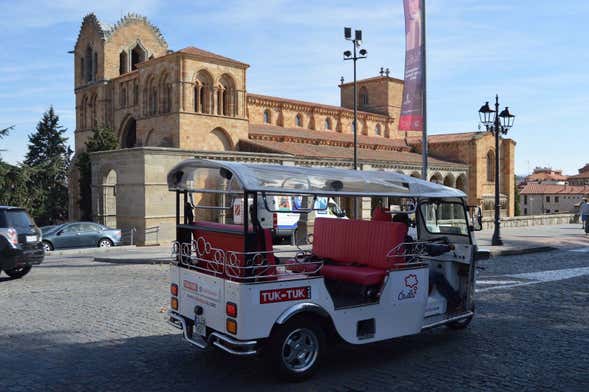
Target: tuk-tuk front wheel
point(295, 349)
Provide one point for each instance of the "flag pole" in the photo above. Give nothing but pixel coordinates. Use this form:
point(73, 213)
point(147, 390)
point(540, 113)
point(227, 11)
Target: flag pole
point(424, 96)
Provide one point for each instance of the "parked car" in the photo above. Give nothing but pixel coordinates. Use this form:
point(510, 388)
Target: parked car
point(79, 235)
point(20, 242)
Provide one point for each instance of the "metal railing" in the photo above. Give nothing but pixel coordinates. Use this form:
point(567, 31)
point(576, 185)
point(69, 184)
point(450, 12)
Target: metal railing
point(128, 236)
point(153, 231)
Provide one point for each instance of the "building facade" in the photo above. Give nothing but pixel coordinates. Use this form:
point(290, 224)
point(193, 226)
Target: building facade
point(538, 199)
point(165, 106)
point(582, 178)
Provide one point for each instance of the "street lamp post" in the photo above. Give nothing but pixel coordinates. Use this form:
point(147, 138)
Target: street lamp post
point(498, 124)
point(356, 41)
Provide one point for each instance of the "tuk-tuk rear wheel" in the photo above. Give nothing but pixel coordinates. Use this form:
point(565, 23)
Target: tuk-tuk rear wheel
point(295, 349)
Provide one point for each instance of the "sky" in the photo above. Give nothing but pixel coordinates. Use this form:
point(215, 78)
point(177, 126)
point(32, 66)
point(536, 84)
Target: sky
point(533, 53)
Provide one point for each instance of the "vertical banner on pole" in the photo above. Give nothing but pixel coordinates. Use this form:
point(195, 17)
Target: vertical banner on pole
point(412, 110)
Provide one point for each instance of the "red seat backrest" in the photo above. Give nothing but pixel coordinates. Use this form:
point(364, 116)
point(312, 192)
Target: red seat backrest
point(229, 238)
point(380, 214)
point(346, 241)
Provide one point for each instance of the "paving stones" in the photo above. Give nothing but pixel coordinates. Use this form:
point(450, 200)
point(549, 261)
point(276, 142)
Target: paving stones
point(76, 325)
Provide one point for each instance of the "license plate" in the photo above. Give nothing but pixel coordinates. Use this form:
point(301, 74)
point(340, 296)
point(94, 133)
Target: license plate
point(200, 326)
point(31, 238)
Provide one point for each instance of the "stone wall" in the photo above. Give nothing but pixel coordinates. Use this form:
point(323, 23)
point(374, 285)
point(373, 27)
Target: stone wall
point(530, 220)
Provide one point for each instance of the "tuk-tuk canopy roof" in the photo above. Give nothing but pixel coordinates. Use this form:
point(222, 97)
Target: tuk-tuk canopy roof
point(200, 175)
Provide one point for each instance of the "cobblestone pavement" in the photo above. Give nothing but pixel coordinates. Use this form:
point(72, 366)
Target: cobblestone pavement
point(77, 325)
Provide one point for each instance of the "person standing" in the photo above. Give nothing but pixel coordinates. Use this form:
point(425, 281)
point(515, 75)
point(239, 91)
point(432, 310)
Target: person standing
point(584, 213)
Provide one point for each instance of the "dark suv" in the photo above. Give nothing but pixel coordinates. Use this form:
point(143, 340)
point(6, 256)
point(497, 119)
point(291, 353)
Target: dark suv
point(20, 242)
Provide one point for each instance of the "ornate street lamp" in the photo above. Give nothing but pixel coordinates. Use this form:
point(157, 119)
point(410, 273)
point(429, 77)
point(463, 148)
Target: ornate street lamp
point(497, 125)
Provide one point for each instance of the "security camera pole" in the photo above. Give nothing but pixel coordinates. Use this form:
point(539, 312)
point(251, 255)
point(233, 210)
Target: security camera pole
point(356, 41)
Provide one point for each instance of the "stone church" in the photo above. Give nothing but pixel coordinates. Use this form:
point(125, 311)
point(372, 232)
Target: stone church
point(168, 105)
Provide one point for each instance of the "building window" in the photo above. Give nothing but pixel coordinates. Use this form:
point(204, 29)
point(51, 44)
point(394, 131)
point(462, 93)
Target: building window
point(556, 199)
point(491, 166)
point(548, 211)
point(525, 211)
point(363, 96)
point(377, 130)
point(526, 199)
point(138, 55)
point(122, 62)
point(267, 119)
point(299, 120)
point(328, 124)
point(547, 199)
point(88, 62)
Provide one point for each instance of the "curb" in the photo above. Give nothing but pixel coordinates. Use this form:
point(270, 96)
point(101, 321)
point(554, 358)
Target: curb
point(523, 251)
point(83, 251)
point(151, 261)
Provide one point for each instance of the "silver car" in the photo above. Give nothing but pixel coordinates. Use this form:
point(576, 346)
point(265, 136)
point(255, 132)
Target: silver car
point(79, 235)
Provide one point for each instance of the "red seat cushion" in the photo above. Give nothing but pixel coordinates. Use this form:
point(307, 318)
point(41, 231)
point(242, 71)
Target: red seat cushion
point(356, 242)
point(365, 276)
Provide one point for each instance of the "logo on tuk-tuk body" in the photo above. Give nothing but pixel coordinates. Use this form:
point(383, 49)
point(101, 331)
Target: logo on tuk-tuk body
point(410, 289)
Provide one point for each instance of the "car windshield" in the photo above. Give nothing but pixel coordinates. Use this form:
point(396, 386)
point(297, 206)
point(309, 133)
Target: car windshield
point(443, 217)
point(18, 218)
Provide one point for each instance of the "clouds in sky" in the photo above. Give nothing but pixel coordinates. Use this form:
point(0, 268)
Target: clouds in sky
point(529, 52)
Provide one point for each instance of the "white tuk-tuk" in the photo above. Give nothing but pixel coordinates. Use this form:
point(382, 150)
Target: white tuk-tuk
point(391, 274)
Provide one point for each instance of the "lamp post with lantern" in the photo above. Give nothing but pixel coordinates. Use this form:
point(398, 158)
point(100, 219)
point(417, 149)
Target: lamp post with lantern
point(498, 124)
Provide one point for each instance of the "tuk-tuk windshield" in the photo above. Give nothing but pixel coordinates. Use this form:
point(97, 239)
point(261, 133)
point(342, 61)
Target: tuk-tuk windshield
point(444, 217)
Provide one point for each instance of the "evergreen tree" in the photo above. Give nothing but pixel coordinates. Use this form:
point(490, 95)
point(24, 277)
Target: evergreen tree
point(3, 133)
point(48, 158)
point(103, 139)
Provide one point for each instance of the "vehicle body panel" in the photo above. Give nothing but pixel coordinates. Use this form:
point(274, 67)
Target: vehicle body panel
point(80, 234)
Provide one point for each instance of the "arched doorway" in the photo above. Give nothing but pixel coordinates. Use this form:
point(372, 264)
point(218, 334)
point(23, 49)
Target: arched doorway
point(219, 140)
point(436, 178)
point(461, 183)
point(109, 199)
point(129, 135)
point(449, 180)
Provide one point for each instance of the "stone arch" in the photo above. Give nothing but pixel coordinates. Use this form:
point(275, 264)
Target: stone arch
point(83, 111)
point(328, 124)
point(203, 92)
point(377, 130)
point(148, 137)
point(491, 166)
point(227, 99)
point(415, 174)
point(93, 123)
point(400, 172)
point(267, 116)
point(165, 93)
point(123, 97)
point(138, 55)
point(461, 183)
point(298, 120)
point(450, 180)
point(219, 140)
point(437, 178)
point(128, 138)
point(108, 205)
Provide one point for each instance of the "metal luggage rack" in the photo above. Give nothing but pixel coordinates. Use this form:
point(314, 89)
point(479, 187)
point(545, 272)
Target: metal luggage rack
point(228, 263)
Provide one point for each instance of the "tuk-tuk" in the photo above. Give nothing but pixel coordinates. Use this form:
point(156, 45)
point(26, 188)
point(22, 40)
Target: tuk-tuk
point(405, 262)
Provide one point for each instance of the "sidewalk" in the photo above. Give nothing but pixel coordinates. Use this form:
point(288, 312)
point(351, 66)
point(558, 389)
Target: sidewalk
point(520, 240)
